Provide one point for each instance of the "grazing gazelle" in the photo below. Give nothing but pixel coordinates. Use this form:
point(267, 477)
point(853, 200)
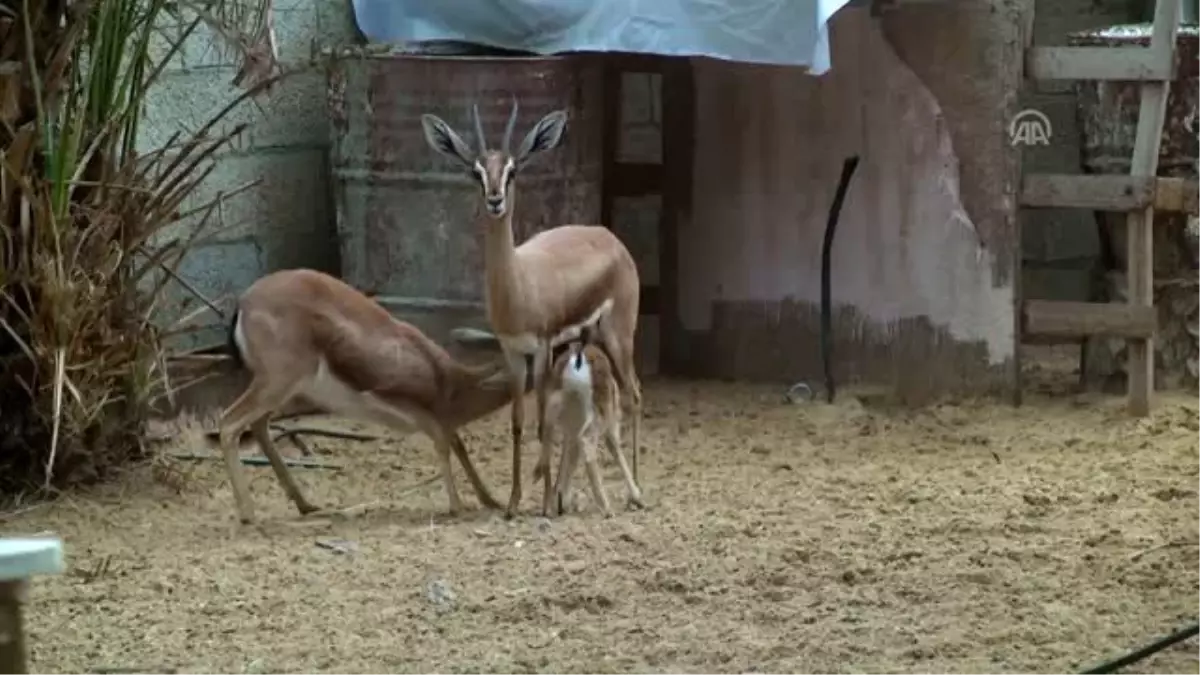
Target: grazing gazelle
point(558, 280)
point(584, 402)
point(302, 333)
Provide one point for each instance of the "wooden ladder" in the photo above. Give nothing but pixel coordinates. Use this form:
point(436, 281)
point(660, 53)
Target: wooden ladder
point(1139, 194)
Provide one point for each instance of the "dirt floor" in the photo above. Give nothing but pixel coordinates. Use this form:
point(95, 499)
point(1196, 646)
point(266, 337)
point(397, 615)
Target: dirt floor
point(779, 537)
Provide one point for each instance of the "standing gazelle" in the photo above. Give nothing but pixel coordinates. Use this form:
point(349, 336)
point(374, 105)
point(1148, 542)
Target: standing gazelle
point(561, 277)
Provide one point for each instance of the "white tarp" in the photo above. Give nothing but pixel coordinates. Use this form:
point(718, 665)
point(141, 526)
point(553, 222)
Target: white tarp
point(781, 32)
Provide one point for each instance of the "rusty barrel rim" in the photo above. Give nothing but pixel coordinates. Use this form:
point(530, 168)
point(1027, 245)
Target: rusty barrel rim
point(440, 50)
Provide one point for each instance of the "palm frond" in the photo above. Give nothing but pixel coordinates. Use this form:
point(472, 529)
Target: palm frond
point(81, 214)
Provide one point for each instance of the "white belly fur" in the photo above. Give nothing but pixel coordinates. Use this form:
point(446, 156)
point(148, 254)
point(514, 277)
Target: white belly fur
point(530, 344)
point(328, 391)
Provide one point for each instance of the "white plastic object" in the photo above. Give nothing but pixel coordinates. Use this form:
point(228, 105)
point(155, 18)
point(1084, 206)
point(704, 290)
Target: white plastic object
point(26, 557)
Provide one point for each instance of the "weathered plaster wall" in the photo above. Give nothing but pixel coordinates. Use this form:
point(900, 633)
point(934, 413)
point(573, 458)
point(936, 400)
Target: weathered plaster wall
point(923, 278)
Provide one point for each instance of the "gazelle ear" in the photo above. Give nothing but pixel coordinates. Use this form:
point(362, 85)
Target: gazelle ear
point(445, 141)
point(545, 135)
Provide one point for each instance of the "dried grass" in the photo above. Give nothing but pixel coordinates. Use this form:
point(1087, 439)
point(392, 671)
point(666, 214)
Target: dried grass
point(84, 250)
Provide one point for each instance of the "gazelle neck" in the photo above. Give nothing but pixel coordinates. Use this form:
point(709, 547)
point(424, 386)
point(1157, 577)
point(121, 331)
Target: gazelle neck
point(478, 391)
point(499, 260)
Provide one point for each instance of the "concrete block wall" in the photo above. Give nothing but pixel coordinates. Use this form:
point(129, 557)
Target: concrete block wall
point(284, 221)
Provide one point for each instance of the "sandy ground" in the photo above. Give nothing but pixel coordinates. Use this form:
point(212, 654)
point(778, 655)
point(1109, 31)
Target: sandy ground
point(970, 537)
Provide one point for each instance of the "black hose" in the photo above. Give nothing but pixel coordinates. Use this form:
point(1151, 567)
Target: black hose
point(835, 210)
point(1138, 655)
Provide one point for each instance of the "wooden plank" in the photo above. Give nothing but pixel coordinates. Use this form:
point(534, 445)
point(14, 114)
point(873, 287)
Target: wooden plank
point(1099, 192)
point(1108, 192)
point(1049, 319)
point(1097, 63)
point(611, 142)
point(634, 179)
point(679, 146)
point(1140, 271)
point(1050, 340)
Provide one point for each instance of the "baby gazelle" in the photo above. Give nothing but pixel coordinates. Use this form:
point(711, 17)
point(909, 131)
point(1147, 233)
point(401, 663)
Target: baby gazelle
point(584, 401)
point(302, 333)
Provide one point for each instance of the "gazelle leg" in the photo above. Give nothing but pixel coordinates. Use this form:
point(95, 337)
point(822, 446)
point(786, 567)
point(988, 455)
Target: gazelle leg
point(612, 440)
point(593, 472)
point(631, 409)
point(551, 504)
point(262, 434)
point(229, 435)
point(443, 446)
point(517, 370)
point(540, 368)
point(566, 471)
point(625, 371)
point(566, 464)
point(481, 490)
point(256, 402)
point(633, 405)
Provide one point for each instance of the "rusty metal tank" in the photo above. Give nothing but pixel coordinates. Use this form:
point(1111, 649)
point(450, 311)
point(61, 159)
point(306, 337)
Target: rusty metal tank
point(1108, 114)
point(407, 218)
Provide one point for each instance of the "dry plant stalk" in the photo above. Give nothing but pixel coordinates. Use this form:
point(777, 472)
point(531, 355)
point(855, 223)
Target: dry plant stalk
point(84, 259)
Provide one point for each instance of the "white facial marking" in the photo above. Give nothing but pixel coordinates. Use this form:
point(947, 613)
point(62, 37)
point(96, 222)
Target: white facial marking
point(481, 175)
point(506, 174)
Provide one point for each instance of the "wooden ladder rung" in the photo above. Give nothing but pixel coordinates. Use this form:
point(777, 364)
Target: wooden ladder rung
point(1109, 192)
point(1098, 63)
point(1045, 320)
